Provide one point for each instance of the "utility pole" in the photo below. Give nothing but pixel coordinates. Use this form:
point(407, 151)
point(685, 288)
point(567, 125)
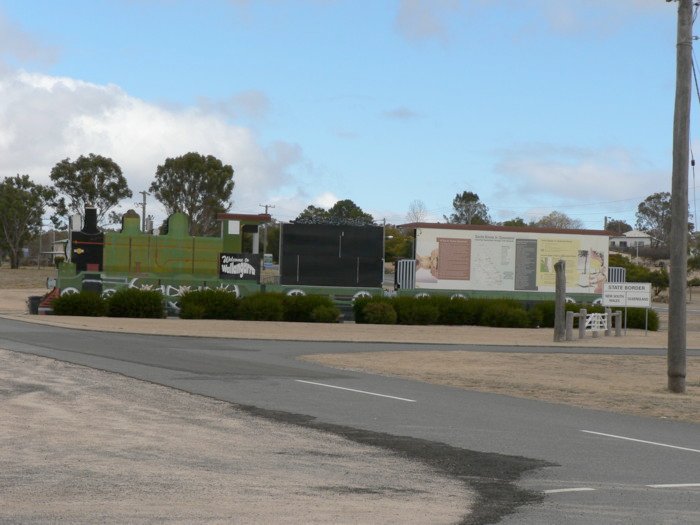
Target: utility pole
point(676, 358)
point(266, 206)
point(143, 211)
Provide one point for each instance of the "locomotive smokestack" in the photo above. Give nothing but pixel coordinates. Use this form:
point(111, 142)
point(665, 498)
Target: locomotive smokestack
point(90, 225)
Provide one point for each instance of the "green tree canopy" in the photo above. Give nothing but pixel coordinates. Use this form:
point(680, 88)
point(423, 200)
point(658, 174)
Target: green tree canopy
point(22, 205)
point(618, 226)
point(342, 212)
point(654, 217)
point(468, 210)
point(517, 221)
point(560, 220)
point(313, 215)
point(196, 185)
point(93, 180)
point(397, 244)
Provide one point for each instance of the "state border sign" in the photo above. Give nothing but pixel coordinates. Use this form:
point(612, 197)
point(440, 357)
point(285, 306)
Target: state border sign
point(633, 295)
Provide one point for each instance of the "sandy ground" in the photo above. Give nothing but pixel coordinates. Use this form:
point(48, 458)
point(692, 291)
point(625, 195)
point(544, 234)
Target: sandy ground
point(85, 446)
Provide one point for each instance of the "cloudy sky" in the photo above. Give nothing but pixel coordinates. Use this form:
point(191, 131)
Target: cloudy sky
point(535, 105)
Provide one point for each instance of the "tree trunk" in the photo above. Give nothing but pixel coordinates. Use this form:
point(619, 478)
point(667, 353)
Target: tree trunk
point(14, 259)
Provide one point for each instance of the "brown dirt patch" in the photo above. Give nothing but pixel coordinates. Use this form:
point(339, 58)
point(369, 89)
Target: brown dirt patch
point(626, 384)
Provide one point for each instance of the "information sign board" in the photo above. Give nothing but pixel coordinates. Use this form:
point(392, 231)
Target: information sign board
point(633, 295)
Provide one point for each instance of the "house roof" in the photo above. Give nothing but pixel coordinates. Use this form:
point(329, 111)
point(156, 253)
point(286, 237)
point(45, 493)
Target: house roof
point(637, 233)
point(492, 228)
point(244, 217)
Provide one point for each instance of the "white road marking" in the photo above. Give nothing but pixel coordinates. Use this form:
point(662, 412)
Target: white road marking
point(642, 441)
point(358, 391)
point(674, 485)
point(579, 489)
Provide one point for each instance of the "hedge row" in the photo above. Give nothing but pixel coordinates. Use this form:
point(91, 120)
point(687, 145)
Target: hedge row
point(220, 304)
point(201, 304)
point(444, 310)
point(127, 302)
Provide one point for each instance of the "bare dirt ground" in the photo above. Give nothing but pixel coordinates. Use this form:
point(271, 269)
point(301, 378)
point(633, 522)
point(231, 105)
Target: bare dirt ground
point(84, 446)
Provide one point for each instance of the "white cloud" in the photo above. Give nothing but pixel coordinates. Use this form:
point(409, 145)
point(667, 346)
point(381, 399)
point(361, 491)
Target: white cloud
point(575, 175)
point(18, 44)
point(326, 200)
point(44, 119)
point(424, 19)
point(401, 113)
point(252, 103)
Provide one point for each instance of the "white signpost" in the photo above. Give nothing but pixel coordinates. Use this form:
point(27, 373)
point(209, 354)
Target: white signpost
point(634, 295)
point(623, 295)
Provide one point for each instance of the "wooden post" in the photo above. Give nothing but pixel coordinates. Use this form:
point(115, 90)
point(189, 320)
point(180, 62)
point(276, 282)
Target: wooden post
point(676, 358)
point(582, 314)
point(560, 301)
point(569, 326)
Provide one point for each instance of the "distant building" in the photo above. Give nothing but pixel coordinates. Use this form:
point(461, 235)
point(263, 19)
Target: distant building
point(631, 239)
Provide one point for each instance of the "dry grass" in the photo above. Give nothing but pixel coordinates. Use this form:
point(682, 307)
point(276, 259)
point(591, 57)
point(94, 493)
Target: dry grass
point(25, 277)
point(626, 384)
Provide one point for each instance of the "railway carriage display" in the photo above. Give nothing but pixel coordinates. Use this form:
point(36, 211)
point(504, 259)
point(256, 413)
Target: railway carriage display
point(343, 262)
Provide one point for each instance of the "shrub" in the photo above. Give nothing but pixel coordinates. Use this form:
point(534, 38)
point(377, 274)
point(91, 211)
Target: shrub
point(89, 304)
point(324, 313)
point(378, 312)
point(132, 302)
point(261, 307)
point(208, 304)
point(410, 310)
point(505, 315)
point(635, 318)
point(192, 310)
point(300, 308)
point(360, 304)
point(464, 311)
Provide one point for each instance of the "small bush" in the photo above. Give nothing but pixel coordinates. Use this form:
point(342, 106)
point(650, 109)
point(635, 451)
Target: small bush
point(360, 304)
point(261, 307)
point(193, 310)
point(411, 310)
point(358, 308)
point(378, 312)
point(462, 311)
point(208, 304)
point(635, 318)
point(132, 302)
point(325, 313)
point(300, 308)
point(88, 304)
point(505, 316)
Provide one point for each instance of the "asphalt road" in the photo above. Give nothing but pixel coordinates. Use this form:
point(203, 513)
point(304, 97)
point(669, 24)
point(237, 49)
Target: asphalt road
point(531, 462)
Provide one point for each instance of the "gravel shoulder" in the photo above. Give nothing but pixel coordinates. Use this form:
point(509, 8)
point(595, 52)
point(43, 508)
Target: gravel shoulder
point(85, 446)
